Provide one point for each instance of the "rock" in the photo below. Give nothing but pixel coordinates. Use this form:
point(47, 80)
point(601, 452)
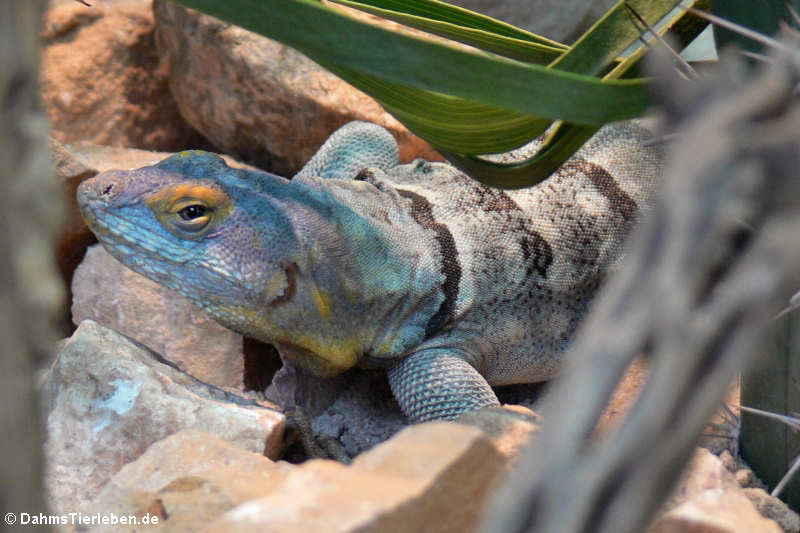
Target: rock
point(509, 427)
point(430, 477)
point(108, 292)
point(107, 399)
point(708, 499)
point(258, 99)
point(745, 477)
point(363, 415)
point(102, 80)
point(187, 479)
point(715, 511)
point(705, 471)
point(728, 461)
point(558, 20)
point(624, 397)
point(773, 508)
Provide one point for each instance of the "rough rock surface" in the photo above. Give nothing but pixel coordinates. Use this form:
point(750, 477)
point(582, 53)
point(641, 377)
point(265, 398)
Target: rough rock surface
point(715, 511)
point(430, 477)
point(257, 99)
point(708, 498)
point(510, 427)
point(773, 508)
point(363, 415)
point(102, 80)
point(188, 479)
point(705, 471)
point(105, 290)
point(107, 399)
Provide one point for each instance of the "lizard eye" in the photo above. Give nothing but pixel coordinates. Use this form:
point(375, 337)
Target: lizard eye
point(192, 218)
point(192, 212)
point(188, 210)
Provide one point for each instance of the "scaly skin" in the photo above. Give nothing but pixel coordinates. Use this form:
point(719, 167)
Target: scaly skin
point(452, 286)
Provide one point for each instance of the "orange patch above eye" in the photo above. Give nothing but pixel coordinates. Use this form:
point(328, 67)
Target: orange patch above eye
point(173, 199)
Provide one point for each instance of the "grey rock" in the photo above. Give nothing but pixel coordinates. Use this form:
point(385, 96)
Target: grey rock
point(107, 399)
point(363, 415)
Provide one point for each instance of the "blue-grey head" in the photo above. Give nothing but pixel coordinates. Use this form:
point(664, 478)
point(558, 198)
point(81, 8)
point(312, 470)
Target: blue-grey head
point(188, 223)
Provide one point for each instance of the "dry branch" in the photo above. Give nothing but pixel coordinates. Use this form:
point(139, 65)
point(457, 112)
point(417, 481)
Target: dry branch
point(711, 263)
point(30, 292)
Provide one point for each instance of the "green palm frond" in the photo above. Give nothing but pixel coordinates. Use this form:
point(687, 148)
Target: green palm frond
point(499, 93)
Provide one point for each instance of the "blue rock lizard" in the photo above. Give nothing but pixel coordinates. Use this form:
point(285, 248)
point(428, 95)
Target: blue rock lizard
point(450, 285)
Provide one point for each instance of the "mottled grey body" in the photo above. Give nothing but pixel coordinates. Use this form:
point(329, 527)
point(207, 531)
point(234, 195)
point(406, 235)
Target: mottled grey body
point(450, 284)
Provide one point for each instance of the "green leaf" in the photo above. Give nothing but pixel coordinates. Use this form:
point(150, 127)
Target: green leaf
point(465, 27)
point(444, 12)
point(466, 101)
point(332, 37)
point(564, 141)
point(448, 122)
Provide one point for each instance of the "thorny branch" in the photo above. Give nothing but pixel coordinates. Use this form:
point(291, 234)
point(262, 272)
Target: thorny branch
point(709, 266)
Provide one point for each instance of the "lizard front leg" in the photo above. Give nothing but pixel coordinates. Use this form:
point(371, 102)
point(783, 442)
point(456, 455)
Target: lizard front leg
point(351, 148)
point(437, 384)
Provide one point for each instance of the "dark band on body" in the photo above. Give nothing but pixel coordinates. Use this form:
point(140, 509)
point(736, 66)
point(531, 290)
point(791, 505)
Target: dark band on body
point(423, 213)
point(605, 183)
point(536, 251)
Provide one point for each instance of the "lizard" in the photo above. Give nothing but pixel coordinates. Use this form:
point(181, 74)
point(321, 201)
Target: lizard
point(450, 285)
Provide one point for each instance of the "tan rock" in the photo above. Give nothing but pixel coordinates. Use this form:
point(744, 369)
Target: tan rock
point(715, 511)
point(102, 80)
point(624, 397)
point(705, 471)
point(108, 292)
point(100, 158)
point(509, 427)
point(108, 399)
point(773, 508)
point(430, 477)
point(745, 477)
point(187, 479)
point(258, 99)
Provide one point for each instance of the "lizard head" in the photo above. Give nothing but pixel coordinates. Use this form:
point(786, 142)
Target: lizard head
point(247, 247)
point(188, 223)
